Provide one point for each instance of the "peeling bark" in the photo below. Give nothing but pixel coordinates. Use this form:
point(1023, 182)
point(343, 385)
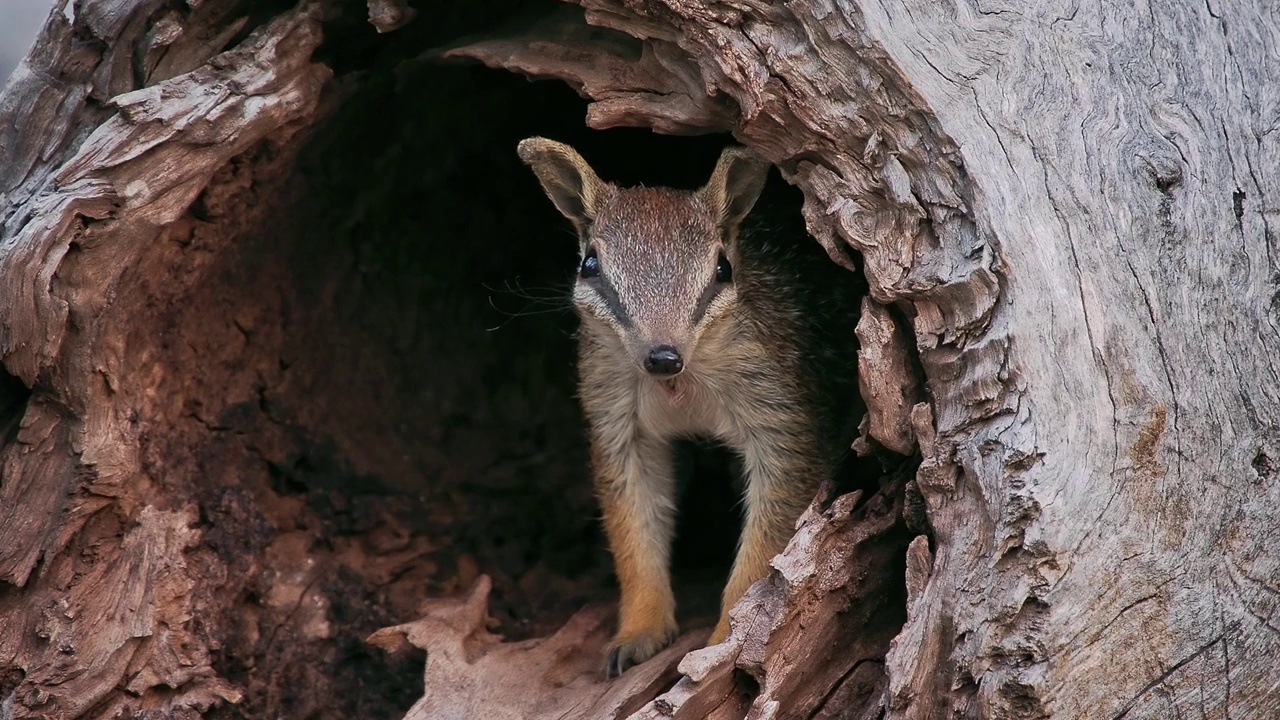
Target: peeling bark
point(887, 379)
point(1036, 196)
point(108, 180)
point(810, 637)
point(1066, 221)
point(471, 673)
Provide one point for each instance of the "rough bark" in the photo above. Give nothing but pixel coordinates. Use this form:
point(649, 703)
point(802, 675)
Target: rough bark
point(887, 379)
point(808, 640)
point(93, 178)
point(216, 416)
point(1066, 220)
point(1074, 207)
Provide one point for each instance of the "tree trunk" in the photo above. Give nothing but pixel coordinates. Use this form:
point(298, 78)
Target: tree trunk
point(260, 447)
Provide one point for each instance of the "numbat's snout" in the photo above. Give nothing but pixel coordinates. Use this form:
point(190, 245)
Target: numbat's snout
point(664, 361)
point(692, 326)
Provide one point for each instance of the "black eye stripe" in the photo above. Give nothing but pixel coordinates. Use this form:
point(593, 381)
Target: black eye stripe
point(610, 295)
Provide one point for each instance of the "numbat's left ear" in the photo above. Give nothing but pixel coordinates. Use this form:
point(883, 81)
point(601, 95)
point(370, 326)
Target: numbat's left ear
point(566, 178)
point(735, 185)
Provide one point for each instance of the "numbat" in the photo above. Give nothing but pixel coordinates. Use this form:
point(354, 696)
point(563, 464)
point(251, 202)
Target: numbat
point(693, 326)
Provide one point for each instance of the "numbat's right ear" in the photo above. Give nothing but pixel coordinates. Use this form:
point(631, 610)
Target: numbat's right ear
point(566, 178)
point(735, 185)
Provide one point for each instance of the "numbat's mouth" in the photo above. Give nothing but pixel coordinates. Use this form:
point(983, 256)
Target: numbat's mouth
point(676, 388)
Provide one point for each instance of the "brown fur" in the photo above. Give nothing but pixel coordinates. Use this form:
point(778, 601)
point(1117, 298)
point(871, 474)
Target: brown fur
point(742, 379)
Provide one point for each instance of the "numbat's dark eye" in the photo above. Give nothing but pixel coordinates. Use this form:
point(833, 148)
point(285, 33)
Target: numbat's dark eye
point(724, 271)
point(590, 266)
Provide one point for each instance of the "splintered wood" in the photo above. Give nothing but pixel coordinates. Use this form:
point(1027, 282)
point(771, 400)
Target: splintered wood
point(806, 641)
point(630, 83)
point(886, 378)
point(100, 152)
point(471, 673)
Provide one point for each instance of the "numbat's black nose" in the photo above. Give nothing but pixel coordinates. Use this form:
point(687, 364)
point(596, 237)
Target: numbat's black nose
point(664, 360)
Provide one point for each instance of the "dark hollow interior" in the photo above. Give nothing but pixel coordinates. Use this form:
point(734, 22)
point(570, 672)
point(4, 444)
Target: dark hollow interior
point(385, 390)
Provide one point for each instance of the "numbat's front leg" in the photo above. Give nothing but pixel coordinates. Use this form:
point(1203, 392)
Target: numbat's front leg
point(636, 490)
point(779, 488)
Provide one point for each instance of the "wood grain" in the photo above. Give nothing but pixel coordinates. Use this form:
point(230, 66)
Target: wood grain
point(101, 154)
point(1075, 207)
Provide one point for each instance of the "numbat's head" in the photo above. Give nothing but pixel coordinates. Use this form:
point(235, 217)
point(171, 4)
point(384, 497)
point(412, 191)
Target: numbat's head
point(657, 265)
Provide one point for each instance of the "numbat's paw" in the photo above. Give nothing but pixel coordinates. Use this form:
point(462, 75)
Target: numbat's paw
point(634, 648)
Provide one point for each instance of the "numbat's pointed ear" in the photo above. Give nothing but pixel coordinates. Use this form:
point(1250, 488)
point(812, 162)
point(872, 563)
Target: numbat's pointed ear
point(566, 178)
point(735, 185)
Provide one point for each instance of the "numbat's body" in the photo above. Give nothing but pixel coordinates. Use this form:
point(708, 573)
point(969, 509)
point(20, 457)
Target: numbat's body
point(692, 328)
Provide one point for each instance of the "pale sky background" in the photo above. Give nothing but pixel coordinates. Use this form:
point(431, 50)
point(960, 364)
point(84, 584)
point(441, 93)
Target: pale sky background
point(20, 20)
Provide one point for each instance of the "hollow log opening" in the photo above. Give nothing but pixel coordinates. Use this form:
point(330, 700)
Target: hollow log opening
point(388, 359)
point(328, 385)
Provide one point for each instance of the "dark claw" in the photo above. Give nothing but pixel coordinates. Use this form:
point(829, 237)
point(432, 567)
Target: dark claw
point(626, 655)
point(617, 663)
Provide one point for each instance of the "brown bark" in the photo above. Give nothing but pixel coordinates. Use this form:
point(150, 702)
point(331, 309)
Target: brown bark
point(224, 399)
point(223, 323)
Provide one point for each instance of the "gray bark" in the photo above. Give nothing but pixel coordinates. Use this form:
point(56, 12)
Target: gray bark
point(1074, 207)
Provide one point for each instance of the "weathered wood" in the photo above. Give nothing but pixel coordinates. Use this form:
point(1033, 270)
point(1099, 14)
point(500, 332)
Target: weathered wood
point(886, 378)
point(98, 159)
point(1075, 210)
point(471, 673)
point(121, 621)
point(137, 172)
point(798, 639)
point(629, 81)
point(811, 633)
